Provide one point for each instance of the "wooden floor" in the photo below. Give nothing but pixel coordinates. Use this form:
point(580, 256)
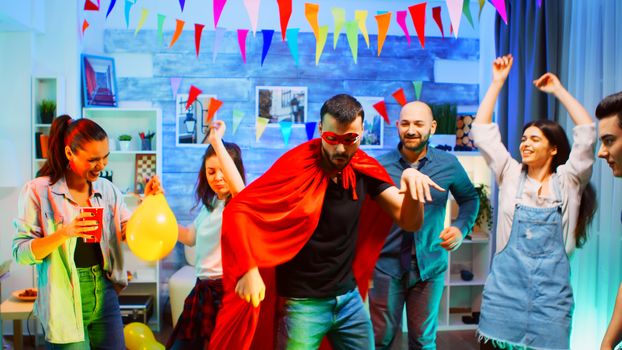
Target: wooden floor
point(449, 340)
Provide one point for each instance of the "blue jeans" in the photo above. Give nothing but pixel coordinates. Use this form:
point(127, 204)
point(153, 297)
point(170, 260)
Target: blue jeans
point(103, 327)
point(342, 319)
point(386, 305)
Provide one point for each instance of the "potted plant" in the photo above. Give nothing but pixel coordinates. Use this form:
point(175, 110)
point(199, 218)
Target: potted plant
point(124, 142)
point(483, 221)
point(47, 110)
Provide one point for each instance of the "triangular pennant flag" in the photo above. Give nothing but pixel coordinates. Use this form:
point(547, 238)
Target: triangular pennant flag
point(110, 7)
point(260, 127)
point(339, 16)
point(319, 44)
point(311, 11)
point(267, 41)
point(182, 3)
point(141, 22)
point(193, 93)
point(285, 12)
point(361, 18)
point(310, 128)
point(219, 34)
point(178, 29)
point(399, 96)
point(237, 119)
point(384, 20)
point(90, 6)
point(213, 107)
point(401, 20)
point(436, 14)
point(198, 30)
point(286, 131)
point(161, 19)
point(292, 42)
point(481, 6)
point(175, 82)
point(85, 24)
point(252, 8)
point(418, 85)
point(500, 6)
point(218, 6)
point(128, 7)
point(466, 9)
point(381, 107)
point(455, 14)
point(242, 33)
point(451, 29)
point(417, 12)
point(352, 30)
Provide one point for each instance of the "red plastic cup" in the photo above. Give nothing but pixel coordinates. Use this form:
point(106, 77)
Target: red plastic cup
point(99, 215)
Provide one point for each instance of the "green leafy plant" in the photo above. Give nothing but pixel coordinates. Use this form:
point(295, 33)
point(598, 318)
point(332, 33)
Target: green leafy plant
point(445, 116)
point(484, 215)
point(47, 108)
point(125, 137)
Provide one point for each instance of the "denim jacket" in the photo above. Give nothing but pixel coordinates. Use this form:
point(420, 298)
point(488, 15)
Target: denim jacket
point(41, 209)
point(444, 169)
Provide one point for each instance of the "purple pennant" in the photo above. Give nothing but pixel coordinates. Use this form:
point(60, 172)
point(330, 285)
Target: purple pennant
point(110, 7)
point(310, 126)
point(267, 41)
point(182, 3)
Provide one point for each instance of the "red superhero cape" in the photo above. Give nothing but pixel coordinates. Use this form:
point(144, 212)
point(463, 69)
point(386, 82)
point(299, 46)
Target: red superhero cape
point(268, 223)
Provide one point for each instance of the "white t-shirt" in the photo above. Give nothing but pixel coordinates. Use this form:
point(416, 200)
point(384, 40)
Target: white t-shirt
point(208, 227)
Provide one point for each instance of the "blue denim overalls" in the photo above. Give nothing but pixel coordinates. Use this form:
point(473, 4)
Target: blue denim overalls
point(528, 299)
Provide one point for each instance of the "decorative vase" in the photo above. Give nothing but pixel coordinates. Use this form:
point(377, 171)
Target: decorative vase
point(43, 140)
point(47, 117)
point(145, 144)
point(124, 146)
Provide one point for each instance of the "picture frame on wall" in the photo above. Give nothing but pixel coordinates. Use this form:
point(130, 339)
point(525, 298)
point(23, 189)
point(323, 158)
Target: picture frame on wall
point(99, 82)
point(373, 123)
point(146, 167)
point(191, 128)
point(281, 103)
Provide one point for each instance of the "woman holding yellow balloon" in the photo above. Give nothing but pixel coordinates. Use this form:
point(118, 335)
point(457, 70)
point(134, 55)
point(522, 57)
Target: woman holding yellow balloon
point(221, 177)
point(71, 225)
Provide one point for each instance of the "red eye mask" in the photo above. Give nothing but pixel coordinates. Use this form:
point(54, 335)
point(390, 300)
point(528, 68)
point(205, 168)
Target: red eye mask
point(346, 139)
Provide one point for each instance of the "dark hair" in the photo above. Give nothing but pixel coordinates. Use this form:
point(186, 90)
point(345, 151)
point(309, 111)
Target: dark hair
point(203, 192)
point(68, 132)
point(556, 136)
point(344, 108)
point(609, 106)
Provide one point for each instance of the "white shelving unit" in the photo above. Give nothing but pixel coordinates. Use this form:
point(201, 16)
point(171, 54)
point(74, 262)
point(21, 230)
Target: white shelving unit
point(43, 88)
point(118, 121)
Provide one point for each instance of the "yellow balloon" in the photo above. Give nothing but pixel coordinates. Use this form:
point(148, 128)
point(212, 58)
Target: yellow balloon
point(136, 334)
point(151, 345)
point(152, 230)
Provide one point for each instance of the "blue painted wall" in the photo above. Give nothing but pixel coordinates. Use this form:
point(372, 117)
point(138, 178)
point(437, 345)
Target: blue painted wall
point(234, 83)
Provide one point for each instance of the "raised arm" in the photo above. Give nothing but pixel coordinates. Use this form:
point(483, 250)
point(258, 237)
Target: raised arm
point(550, 84)
point(232, 176)
point(500, 70)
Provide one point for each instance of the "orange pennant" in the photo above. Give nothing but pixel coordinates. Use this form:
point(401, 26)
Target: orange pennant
point(399, 96)
point(179, 27)
point(85, 25)
point(212, 108)
point(311, 11)
point(384, 20)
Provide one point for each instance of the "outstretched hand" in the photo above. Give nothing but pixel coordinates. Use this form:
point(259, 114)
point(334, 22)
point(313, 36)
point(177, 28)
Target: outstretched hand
point(154, 186)
point(501, 68)
point(217, 131)
point(548, 83)
point(417, 185)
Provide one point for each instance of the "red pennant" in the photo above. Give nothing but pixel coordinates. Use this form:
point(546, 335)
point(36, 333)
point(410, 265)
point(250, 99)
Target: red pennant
point(85, 25)
point(214, 106)
point(381, 107)
point(417, 12)
point(90, 6)
point(285, 11)
point(399, 96)
point(436, 14)
point(192, 95)
point(198, 30)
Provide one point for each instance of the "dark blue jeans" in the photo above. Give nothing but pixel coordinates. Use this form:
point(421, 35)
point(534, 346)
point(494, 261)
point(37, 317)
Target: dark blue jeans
point(103, 327)
point(342, 319)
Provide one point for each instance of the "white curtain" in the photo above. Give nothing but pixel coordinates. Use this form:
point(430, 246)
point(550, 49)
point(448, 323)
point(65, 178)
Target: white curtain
point(592, 69)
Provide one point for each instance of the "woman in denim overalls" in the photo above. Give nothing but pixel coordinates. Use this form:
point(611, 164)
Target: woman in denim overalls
point(527, 300)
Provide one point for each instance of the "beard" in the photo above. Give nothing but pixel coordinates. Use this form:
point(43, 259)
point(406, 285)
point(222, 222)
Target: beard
point(423, 141)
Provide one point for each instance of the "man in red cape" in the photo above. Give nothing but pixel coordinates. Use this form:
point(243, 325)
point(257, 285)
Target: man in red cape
point(287, 219)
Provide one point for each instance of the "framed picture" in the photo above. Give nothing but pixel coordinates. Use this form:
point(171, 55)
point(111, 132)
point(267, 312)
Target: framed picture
point(373, 124)
point(281, 103)
point(145, 169)
point(99, 82)
point(191, 126)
